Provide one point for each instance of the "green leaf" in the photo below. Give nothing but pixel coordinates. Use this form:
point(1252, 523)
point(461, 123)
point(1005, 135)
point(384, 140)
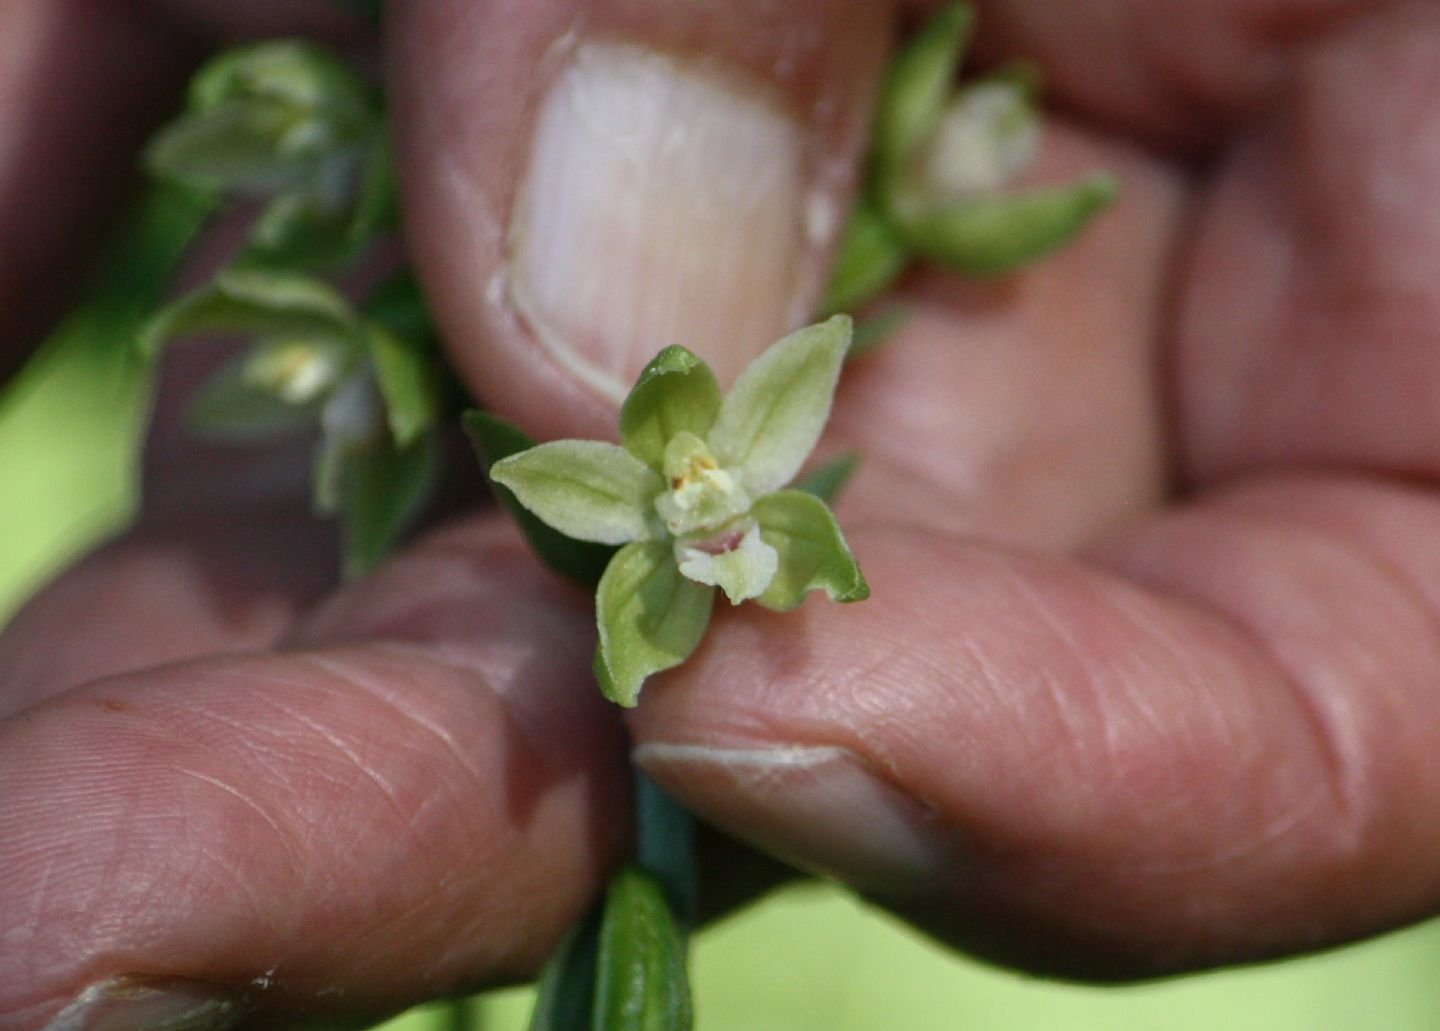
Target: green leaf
point(676, 392)
point(231, 406)
point(398, 304)
point(493, 439)
point(871, 256)
point(813, 552)
point(383, 490)
point(649, 616)
point(405, 372)
point(72, 421)
point(641, 982)
point(916, 86)
point(828, 480)
point(565, 996)
point(254, 303)
point(586, 489)
point(991, 235)
point(772, 417)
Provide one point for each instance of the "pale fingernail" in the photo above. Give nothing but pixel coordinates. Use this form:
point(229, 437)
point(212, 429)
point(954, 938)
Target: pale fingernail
point(821, 809)
point(663, 203)
point(142, 1002)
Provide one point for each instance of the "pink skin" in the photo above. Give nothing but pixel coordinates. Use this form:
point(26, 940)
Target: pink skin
point(1146, 680)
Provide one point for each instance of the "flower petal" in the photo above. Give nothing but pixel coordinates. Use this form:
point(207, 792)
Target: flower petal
point(772, 417)
point(812, 552)
point(586, 489)
point(676, 393)
point(650, 618)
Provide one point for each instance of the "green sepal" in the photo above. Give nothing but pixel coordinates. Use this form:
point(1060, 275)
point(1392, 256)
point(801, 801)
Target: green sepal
point(565, 995)
point(650, 618)
point(827, 480)
point(813, 552)
point(383, 490)
point(231, 406)
point(253, 303)
point(870, 257)
point(676, 392)
point(773, 415)
point(493, 439)
point(916, 86)
point(641, 982)
point(235, 147)
point(586, 489)
point(991, 235)
point(406, 374)
point(263, 117)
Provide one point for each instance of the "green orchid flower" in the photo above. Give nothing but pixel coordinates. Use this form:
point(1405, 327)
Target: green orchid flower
point(695, 494)
point(942, 161)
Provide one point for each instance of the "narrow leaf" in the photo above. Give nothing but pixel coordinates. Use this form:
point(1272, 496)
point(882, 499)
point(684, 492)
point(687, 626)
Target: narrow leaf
point(991, 235)
point(405, 372)
point(676, 392)
point(828, 480)
point(650, 618)
point(493, 439)
point(384, 489)
point(586, 489)
point(254, 302)
point(565, 996)
point(813, 552)
point(871, 256)
point(641, 982)
point(916, 86)
point(230, 406)
point(772, 417)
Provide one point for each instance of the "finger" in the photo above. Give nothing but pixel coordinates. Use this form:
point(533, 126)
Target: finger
point(1027, 410)
point(1308, 333)
point(1226, 757)
point(587, 183)
point(415, 799)
point(80, 82)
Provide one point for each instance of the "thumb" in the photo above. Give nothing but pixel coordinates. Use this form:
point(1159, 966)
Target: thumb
point(586, 183)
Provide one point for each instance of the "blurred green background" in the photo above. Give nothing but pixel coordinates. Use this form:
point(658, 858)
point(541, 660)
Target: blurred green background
point(807, 958)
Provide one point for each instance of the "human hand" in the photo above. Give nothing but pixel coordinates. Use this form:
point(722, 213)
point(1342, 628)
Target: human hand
point(1145, 682)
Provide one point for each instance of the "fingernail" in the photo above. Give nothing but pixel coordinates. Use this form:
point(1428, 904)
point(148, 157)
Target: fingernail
point(821, 809)
point(663, 204)
point(148, 1003)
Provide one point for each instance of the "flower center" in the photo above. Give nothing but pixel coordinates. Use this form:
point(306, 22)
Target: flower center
point(699, 494)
